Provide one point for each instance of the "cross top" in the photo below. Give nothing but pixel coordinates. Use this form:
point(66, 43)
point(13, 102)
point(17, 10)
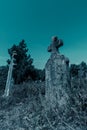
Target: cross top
point(56, 43)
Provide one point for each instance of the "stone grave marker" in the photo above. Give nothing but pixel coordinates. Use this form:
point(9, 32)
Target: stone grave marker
point(9, 77)
point(57, 76)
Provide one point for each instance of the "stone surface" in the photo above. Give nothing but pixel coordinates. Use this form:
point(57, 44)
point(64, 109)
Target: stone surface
point(57, 79)
point(56, 43)
point(9, 81)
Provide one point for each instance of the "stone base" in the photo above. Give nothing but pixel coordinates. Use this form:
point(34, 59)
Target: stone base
point(57, 80)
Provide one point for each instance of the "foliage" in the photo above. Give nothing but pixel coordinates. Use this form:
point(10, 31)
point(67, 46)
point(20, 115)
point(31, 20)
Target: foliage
point(74, 70)
point(30, 105)
point(3, 76)
point(38, 74)
point(78, 96)
point(82, 69)
point(78, 70)
point(23, 61)
point(24, 70)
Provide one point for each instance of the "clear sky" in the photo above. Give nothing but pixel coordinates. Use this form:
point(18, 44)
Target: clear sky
point(36, 21)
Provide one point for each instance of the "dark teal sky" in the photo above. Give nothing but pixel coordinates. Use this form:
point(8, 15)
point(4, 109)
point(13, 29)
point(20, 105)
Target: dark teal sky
point(37, 20)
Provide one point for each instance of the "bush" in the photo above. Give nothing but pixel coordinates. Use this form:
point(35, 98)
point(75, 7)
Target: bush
point(3, 76)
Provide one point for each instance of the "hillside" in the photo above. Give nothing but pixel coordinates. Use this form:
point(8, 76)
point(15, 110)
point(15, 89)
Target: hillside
point(26, 108)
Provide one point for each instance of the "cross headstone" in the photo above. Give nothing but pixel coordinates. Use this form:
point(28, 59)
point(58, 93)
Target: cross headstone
point(9, 77)
point(55, 45)
point(56, 76)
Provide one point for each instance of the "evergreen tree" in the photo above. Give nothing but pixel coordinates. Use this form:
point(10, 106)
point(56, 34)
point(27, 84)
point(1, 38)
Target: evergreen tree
point(23, 61)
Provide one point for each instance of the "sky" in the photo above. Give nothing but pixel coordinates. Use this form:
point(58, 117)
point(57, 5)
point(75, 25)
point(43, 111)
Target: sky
point(36, 21)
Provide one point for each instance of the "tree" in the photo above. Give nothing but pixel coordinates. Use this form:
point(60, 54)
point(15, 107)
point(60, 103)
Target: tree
point(74, 70)
point(23, 62)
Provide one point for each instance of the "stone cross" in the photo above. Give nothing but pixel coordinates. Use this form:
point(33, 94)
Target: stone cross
point(56, 77)
point(9, 77)
point(56, 43)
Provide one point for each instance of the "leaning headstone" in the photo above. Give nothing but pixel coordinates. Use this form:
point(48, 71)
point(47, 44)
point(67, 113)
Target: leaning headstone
point(9, 81)
point(57, 76)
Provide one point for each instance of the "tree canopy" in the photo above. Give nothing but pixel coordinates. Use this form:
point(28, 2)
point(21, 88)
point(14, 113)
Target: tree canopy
point(24, 68)
point(23, 61)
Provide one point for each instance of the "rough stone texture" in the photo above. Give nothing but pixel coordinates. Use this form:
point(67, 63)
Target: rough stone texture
point(54, 46)
point(57, 79)
point(9, 82)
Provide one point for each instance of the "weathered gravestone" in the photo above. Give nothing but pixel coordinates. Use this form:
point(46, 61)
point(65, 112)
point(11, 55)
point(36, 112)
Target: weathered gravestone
point(57, 76)
point(9, 77)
